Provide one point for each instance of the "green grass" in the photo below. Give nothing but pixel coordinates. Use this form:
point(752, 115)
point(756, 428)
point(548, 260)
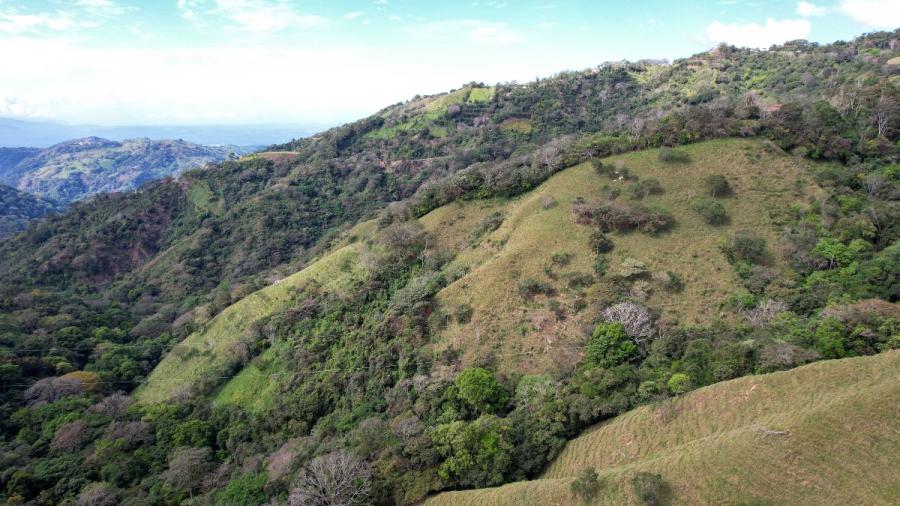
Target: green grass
point(528, 337)
point(825, 433)
point(201, 359)
point(481, 95)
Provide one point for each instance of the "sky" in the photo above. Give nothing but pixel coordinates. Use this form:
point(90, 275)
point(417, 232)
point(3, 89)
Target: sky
point(119, 62)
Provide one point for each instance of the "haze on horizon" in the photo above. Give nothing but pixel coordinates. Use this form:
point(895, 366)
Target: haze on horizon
point(120, 62)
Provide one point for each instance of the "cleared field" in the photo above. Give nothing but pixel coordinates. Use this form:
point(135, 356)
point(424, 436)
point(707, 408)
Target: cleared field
point(825, 433)
point(530, 335)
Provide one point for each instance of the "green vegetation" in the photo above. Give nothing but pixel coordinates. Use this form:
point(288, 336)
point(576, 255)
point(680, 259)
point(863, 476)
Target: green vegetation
point(18, 208)
point(403, 305)
point(776, 432)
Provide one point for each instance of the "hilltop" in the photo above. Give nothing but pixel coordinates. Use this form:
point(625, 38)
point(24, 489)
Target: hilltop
point(804, 436)
point(79, 168)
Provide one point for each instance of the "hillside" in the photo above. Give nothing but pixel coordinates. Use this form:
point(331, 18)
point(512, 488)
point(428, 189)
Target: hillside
point(438, 297)
point(821, 434)
point(18, 208)
point(516, 334)
point(77, 169)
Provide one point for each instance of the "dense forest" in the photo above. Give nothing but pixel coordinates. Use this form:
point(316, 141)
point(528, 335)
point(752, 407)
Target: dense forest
point(91, 300)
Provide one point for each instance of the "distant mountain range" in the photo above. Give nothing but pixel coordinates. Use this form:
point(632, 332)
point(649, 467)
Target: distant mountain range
point(79, 168)
point(42, 134)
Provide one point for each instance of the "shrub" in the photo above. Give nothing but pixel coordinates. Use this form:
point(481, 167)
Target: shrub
point(586, 485)
point(530, 287)
point(632, 268)
point(712, 211)
point(717, 186)
point(611, 216)
point(490, 223)
point(600, 242)
point(745, 245)
point(464, 313)
point(561, 259)
point(644, 188)
point(609, 346)
point(651, 489)
point(669, 155)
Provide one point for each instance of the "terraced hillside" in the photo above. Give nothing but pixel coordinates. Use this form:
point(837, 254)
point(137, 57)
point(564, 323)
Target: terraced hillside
point(825, 433)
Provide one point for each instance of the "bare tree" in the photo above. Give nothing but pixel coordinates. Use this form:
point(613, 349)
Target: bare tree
point(52, 389)
point(885, 114)
point(98, 494)
point(113, 405)
point(187, 468)
point(335, 479)
point(637, 320)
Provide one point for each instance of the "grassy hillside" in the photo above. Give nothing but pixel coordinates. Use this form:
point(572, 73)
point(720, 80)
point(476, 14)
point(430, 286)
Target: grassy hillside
point(206, 357)
point(530, 335)
point(524, 336)
point(825, 433)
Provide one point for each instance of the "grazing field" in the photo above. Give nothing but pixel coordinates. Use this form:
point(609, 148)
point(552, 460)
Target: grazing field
point(534, 335)
point(825, 433)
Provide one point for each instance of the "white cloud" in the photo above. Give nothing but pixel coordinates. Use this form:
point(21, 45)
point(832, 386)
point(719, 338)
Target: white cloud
point(256, 16)
point(354, 15)
point(756, 35)
point(884, 14)
point(474, 31)
point(808, 9)
point(132, 85)
point(14, 23)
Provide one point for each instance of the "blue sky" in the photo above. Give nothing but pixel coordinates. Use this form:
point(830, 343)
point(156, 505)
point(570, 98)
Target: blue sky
point(260, 61)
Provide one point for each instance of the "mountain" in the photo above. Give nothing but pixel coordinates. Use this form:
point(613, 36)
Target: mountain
point(80, 168)
point(18, 208)
point(794, 437)
point(440, 296)
point(43, 134)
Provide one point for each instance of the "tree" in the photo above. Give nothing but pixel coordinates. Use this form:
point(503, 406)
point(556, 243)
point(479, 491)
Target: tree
point(187, 468)
point(712, 211)
point(480, 389)
point(334, 479)
point(636, 320)
point(610, 346)
point(679, 383)
point(476, 454)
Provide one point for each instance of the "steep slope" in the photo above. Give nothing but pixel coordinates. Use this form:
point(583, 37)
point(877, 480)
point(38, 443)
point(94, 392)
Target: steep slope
point(546, 332)
point(18, 208)
point(77, 169)
point(511, 332)
point(825, 433)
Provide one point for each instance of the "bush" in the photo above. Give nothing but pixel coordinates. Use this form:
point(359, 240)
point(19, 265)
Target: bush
point(712, 211)
point(745, 245)
point(717, 186)
point(669, 155)
point(490, 223)
point(586, 485)
point(651, 489)
point(611, 216)
point(530, 287)
point(644, 188)
point(600, 243)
